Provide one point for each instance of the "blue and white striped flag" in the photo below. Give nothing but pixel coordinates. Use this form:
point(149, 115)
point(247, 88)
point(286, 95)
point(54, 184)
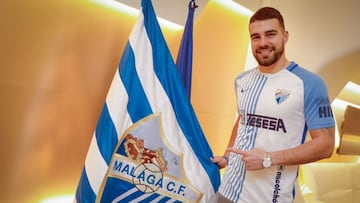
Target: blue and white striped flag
point(148, 145)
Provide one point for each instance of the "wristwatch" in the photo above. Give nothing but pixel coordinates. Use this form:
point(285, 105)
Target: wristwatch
point(267, 160)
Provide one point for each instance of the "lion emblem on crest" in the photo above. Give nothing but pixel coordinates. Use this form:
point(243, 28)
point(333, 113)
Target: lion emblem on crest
point(136, 150)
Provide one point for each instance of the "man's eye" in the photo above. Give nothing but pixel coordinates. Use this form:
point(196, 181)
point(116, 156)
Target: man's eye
point(270, 34)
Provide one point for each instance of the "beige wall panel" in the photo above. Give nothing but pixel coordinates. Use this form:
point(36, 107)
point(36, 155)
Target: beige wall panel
point(218, 131)
point(220, 46)
point(57, 61)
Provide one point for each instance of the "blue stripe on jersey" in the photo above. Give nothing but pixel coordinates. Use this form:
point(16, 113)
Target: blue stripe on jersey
point(252, 85)
point(292, 66)
point(249, 105)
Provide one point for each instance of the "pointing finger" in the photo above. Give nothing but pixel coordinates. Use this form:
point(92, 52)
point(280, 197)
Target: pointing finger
point(237, 151)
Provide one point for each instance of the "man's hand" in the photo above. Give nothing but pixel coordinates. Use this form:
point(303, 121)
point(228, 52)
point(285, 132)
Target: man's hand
point(221, 161)
point(253, 159)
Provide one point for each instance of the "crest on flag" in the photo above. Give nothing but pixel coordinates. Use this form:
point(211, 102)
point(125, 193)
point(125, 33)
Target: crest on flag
point(147, 165)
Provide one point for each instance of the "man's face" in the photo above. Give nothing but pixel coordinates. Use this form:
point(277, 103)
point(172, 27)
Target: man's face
point(267, 41)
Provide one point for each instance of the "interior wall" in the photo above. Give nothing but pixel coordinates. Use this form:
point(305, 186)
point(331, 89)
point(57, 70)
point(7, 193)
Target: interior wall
point(348, 67)
point(336, 75)
point(350, 132)
point(319, 31)
point(57, 62)
point(220, 48)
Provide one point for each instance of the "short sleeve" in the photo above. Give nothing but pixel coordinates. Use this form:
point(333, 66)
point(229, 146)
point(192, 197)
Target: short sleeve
point(317, 106)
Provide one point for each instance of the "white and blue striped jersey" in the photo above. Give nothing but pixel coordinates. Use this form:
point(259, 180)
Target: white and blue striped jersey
point(276, 112)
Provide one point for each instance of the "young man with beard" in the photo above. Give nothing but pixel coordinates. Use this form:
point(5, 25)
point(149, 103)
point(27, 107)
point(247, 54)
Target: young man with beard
point(278, 103)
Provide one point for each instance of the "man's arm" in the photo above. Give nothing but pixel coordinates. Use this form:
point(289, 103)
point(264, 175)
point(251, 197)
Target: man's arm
point(319, 147)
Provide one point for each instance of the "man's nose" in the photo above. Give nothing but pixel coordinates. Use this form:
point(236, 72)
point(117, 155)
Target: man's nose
point(263, 41)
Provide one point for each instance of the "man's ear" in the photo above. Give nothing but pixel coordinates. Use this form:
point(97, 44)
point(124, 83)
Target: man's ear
point(286, 36)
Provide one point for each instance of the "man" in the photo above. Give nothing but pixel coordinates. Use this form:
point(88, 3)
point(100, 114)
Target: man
point(278, 103)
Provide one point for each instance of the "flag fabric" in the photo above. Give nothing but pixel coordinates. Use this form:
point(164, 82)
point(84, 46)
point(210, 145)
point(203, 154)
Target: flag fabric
point(148, 145)
point(185, 54)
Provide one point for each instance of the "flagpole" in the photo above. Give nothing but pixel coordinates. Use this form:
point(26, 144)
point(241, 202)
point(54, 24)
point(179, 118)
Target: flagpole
point(192, 4)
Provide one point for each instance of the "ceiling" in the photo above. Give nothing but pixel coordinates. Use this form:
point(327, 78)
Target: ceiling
point(165, 8)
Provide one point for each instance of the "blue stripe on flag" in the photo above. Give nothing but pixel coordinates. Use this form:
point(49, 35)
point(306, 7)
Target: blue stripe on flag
point(133, 86)
point(106, 127)
point(113, 195)
point(84, 193)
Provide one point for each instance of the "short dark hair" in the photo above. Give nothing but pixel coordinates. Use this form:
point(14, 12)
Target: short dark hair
point(266, 13)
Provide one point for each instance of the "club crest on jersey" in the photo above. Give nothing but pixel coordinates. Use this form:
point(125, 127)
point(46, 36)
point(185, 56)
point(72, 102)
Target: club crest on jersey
point(281, 95)
point(144, 162)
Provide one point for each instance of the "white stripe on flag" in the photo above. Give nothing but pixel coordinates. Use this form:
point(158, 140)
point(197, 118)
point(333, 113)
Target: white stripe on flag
point(156, 200)
point(142, 197)
point(95, 166)
point(124, 195)
point(116, 99)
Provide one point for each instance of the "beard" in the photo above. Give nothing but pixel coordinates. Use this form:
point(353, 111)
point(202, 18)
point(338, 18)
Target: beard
point(271, 58)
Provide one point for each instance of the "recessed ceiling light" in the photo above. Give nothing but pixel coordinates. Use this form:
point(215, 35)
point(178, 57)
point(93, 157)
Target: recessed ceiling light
point(230, 4)
point(135, 12)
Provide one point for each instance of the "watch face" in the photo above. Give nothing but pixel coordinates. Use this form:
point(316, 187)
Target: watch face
point(267, 162)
